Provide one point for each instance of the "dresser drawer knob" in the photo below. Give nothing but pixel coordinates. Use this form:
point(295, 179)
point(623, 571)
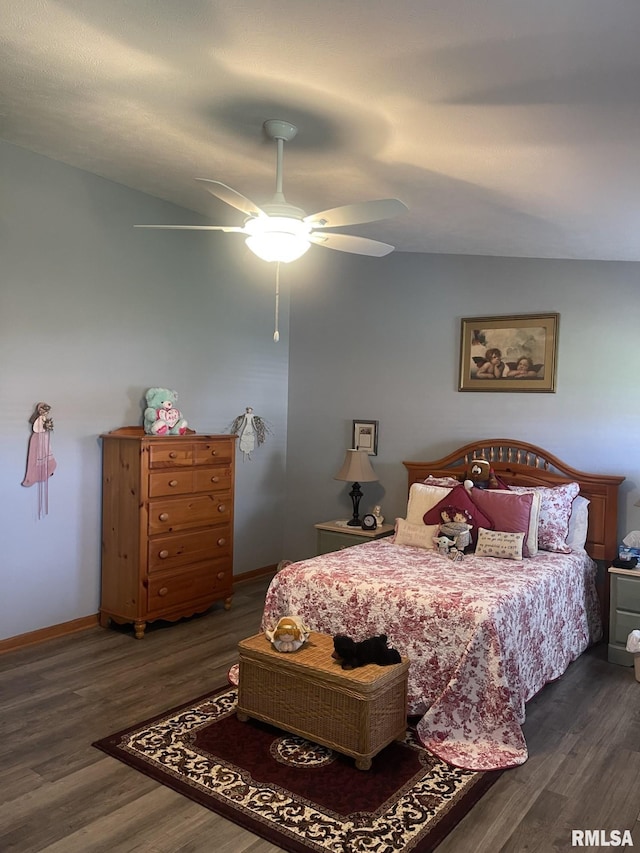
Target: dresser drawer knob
point(173, 455)
point(163, 516)
point(215, 479)
point(214, 452)
point(163, 555)
point(222, 508)
point(163, 591)
point(222, 541)
point(173, 483)
point(220, 575)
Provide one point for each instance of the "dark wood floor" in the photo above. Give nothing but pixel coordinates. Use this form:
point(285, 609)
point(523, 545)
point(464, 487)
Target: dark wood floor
point(59, 794)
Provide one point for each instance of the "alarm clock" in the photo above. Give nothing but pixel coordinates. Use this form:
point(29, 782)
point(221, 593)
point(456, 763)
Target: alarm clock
point(369, 522)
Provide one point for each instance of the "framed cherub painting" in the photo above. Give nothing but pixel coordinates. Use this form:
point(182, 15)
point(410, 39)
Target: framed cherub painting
point(514, 353)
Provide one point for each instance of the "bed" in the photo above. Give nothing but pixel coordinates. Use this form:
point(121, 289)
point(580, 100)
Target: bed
point(484, 634)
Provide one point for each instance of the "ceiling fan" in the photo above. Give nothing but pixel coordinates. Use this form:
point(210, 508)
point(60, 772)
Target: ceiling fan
point(279, 231)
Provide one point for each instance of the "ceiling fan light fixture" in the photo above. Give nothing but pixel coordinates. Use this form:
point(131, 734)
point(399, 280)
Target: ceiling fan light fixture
point(277, 238)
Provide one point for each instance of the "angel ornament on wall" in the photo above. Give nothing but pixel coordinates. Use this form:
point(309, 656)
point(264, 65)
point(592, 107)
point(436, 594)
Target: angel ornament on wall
point(251, 430)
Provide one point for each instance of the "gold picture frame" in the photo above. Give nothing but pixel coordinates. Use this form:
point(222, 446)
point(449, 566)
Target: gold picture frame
point(523, 351)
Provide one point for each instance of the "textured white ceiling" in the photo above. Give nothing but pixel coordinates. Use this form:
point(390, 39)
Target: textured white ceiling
point(509, 127)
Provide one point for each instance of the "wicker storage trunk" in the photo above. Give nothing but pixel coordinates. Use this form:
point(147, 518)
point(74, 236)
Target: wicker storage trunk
point(356, 712)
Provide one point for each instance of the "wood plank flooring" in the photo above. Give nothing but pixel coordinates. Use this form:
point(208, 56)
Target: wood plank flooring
point(60, 795)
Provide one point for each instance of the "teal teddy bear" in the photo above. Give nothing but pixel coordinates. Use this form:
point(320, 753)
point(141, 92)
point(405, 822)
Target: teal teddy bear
point(161, 417)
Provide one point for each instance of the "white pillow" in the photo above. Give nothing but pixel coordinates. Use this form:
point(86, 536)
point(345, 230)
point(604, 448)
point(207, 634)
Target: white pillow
point(495, 543)
point(578, 524)
point(418, 535)
point(534, 521)
point(422, 498)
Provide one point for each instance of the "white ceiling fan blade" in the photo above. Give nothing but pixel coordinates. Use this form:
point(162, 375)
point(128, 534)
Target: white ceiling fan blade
point(350, 243)
point(231, 228)
point(232, 197)
point(354, 214)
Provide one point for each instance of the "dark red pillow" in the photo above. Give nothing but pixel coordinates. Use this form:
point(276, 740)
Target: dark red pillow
point(508, 515)
point(496, 482)
point(458, 500)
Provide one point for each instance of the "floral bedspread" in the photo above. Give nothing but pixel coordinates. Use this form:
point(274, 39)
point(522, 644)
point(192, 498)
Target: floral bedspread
point(482, 636)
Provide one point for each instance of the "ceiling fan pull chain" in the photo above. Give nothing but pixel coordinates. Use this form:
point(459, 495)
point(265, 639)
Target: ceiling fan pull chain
point(276, 334)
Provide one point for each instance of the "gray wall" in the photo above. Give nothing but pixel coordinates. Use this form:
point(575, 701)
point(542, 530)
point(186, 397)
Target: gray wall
point(379, 340)
point(92, 313)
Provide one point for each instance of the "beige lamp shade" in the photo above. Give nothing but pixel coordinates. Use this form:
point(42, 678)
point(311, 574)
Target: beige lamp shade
point(356, 468)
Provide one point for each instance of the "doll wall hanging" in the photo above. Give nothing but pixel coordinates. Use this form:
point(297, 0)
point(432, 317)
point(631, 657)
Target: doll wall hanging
point(40, 461)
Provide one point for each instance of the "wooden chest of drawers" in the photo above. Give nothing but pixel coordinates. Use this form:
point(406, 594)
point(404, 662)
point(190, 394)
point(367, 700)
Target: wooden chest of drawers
point(167, 525)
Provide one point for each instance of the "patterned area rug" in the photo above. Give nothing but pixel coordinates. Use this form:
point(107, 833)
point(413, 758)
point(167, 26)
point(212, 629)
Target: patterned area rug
point(296, 794)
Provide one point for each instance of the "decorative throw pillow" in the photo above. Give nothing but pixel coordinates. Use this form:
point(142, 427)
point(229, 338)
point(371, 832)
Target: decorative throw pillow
point(578, 524)
point(458, 500)
point(497, 543)
point(555, 510)
point(421, 499)
point(417, 535)
point(496, 482)
point(511, 516)
point(446, 482)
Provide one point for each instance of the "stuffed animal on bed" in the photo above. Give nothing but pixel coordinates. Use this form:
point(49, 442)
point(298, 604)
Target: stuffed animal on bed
point(456, 525)
point(443, 544)
point(372, 650)
point(447, 548)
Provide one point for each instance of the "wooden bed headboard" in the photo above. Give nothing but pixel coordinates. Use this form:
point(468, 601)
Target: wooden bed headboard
point(522, 464)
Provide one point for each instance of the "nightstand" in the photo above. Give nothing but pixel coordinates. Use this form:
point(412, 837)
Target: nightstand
point(624, 612)
point(335, 535)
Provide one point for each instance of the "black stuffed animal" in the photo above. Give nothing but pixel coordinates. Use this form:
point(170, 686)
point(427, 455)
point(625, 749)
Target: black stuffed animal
point(372, 650)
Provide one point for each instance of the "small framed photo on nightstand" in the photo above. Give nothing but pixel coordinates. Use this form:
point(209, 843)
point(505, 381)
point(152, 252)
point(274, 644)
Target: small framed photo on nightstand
point(365, 436)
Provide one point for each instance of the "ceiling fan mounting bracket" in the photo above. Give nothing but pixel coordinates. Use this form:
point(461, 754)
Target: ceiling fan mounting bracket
point(278, 129)
point(283, 208)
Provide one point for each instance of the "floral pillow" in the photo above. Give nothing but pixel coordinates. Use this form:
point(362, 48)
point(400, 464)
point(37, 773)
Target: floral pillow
point(417, 535)
point(446, 482)
point(497, 543)
point(555, 511)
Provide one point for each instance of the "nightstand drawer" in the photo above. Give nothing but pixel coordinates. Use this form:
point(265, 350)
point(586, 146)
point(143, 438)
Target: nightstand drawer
point(628, 593)
point(334, 536)
point(623, 624)
point(329, 541)
point(624, 613)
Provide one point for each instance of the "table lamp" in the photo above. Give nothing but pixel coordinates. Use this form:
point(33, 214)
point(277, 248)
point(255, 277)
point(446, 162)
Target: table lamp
point(356, 469)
